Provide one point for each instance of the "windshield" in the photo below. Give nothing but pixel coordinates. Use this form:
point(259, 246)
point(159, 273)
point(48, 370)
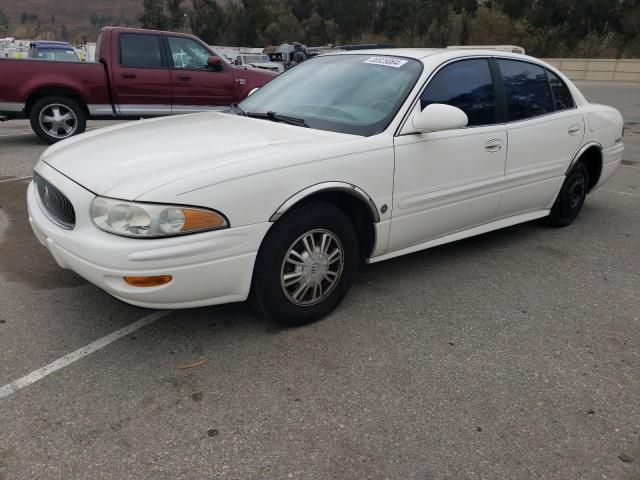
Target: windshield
point(355, 94)
point(256, 59)
point(60, 55)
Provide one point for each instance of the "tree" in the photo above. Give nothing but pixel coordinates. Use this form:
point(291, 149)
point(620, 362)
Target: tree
point(207, 21)
point(4, 21)
point(153, 15)
point(99, 21)
point(175, 15)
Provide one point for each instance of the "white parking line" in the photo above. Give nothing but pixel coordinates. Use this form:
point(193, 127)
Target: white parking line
point(73, 357)
point(15, 179)
point(16, 134)
point(631, 194)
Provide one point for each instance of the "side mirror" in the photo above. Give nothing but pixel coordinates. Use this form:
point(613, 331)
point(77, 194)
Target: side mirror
point(253, 90)
point(438, 117)
point(214, 63)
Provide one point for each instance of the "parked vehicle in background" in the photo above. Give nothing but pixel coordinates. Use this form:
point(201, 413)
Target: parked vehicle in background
point(353, 156)
point(138, 73)
point(258, 60)
point(50, 50)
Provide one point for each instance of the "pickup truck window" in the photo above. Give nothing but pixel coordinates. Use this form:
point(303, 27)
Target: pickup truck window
point(138, 50)
point(186, 53)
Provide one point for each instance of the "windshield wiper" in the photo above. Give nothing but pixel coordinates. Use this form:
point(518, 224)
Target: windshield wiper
point(275, 117)
point(236, 108)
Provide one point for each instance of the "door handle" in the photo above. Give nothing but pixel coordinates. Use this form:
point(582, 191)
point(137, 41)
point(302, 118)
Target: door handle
point(574, 129)
point(184, 78)
point(494, 145)
point(129, 76)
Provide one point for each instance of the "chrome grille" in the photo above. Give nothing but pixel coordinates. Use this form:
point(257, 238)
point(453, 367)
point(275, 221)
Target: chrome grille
point(54, 203)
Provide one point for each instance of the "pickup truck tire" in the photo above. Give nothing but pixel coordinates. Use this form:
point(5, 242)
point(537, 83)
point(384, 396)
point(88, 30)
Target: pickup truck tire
point(56, 118)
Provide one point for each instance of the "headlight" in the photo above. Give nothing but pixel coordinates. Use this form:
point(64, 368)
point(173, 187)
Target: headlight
point(150, 220)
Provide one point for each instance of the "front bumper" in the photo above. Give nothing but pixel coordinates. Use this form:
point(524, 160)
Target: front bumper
point(207, 268)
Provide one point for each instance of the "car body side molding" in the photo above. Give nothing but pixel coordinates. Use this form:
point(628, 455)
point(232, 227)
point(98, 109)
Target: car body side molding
point(328, 187)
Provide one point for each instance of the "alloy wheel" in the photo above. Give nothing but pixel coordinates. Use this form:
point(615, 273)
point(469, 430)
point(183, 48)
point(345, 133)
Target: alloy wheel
point(312, 267)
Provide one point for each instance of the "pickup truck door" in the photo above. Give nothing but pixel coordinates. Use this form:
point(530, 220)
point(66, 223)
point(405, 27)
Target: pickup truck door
point(195, 86)
point(141, 81)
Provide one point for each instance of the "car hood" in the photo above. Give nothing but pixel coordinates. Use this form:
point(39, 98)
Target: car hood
point(127, 160)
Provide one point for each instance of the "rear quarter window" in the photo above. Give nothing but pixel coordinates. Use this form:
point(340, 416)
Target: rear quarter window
point(561, 94)
point(526, 89)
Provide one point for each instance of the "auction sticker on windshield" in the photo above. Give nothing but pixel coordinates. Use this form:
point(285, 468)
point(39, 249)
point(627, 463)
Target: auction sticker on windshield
point(386, 61)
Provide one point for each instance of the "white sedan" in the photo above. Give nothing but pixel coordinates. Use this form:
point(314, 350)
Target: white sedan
point(345, 158)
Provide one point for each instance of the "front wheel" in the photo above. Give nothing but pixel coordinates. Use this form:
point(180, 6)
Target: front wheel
point(571, 197)
point(56, 118)
point(306, 264)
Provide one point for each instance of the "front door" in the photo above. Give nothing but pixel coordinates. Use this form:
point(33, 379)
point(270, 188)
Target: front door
point(449, 181)
point(140, 77)
point(195, 85)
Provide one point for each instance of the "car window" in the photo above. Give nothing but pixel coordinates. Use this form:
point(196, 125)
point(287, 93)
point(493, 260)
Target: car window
point(187, 53)
point(354, 94)
point(467, 85)
point(526, 88)
point(561, 94)
point(60, 55)
point(140, 50)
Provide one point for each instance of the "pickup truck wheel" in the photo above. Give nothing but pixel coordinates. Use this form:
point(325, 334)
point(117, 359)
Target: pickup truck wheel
point(306, 264)
point(56, 118)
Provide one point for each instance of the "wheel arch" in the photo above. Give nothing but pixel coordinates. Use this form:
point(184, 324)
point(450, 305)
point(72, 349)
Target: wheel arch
point(591, 155)
point(351, 199)
point(54, 90)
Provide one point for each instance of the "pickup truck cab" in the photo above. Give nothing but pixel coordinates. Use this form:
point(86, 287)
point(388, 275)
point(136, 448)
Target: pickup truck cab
point(138, 74)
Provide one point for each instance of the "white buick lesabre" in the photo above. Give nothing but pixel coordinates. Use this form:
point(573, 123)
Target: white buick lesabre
point(347, 157)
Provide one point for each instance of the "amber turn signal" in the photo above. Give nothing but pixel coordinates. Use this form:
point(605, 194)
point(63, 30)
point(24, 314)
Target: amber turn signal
point(201, 220)
point(148, 281)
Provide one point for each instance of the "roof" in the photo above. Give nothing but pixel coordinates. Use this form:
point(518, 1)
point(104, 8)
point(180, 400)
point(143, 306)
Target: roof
point(50, 43)
point(438, 53)
point(416, 53)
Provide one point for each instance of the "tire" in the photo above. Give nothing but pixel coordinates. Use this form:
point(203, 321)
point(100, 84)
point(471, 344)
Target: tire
point(56, 118)
point(571, 197)
point(284, 265)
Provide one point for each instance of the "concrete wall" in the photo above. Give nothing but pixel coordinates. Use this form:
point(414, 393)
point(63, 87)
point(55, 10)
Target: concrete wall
point(598, 69)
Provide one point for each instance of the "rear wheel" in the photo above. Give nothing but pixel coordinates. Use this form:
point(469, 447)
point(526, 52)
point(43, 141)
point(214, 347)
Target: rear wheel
point(56, 118)
point(571, 197)
point(305, 265)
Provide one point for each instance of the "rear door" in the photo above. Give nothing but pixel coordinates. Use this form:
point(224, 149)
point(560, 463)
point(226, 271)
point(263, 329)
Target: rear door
point(195, 85)
point(140, 76)
point(545, 131)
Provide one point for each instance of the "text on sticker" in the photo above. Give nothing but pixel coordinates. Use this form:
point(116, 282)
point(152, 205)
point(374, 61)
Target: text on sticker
point(386, 61)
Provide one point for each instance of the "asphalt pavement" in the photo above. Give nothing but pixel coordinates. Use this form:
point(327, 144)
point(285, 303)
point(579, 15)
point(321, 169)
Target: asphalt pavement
point(511, 355)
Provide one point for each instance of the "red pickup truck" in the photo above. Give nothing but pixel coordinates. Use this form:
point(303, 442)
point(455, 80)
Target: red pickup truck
point(139, 73)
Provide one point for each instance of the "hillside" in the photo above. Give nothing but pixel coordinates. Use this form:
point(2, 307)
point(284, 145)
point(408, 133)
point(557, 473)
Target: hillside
point(72, 19)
